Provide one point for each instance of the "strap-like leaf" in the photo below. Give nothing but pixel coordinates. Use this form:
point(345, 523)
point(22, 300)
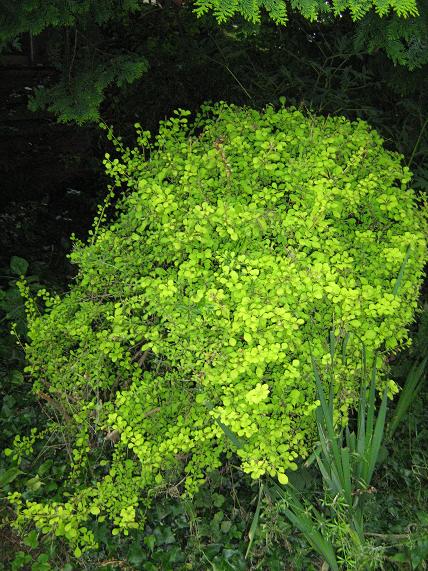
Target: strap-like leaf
point(408, 394)
point(255, 522)
point(377, 437)
point(296, 514)
point(401, 272)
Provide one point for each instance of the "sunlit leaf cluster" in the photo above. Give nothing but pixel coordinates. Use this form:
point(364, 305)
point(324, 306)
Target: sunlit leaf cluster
point(239, 243)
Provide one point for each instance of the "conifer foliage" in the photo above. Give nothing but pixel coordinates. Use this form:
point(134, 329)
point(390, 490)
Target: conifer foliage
point(310, 9)
point(97, 44)
point(85, 42)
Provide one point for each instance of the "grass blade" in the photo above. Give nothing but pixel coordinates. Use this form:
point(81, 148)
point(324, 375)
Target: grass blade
point(231, 435)
point(331, 483)
point(305, 524)
point(332, 345)
point(364, 360)
point(377, 437)
point(313, 536)
point(361, 432)
point(411, 388)
point(401, 272)
point(255, 522)
point(344, 346)
point(327, 418)
point(371, 404)
point(346, 470)
point(315, 454)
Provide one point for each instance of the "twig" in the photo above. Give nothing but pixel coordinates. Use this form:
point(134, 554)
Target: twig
point(412, 156)
point(70, 69)
point(57, 406)
point(143, 357)
point(389, 535)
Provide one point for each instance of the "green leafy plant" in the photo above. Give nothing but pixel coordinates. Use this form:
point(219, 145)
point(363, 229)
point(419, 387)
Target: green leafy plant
point(346, 459)
point(17, 403)
point(239, 241)
point(13, 326)
point(13, 329)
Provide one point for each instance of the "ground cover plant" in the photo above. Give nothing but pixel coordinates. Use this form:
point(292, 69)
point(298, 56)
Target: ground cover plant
point(239, 243)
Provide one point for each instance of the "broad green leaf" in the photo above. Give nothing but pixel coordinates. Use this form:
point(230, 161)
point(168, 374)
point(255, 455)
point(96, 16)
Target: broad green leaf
point(9, 475)
point(18, 266)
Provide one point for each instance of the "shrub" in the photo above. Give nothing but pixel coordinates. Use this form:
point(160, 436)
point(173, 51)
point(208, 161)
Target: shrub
point(238, 245)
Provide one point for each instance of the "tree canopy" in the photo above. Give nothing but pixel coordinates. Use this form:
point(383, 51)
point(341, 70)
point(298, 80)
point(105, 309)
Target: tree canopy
point(96, 44)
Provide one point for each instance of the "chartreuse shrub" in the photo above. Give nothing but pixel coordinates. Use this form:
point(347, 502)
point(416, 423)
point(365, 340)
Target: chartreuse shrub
point(239, 244)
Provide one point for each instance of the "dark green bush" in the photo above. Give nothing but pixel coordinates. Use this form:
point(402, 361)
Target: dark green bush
point(241, 242)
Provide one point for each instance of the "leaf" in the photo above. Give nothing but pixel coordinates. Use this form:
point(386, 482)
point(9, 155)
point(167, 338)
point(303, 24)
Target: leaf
point(411, 389)
point(347, 473)
point(150, 541)
point(255, 522)
point(325, 416)
point(18, 266)
point(419, 553)
point(296, 514)
point(377, 437)
point(31, 540)
point(218, 500)
point(231, 435)
point(34, 484)
point(401, 272)
point(136, 554)
point(9, 475)
point(400, 558)
point(42, 563)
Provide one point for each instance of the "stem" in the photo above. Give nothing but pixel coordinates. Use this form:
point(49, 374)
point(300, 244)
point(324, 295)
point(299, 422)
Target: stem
point(388, 535)
point(418, 140)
